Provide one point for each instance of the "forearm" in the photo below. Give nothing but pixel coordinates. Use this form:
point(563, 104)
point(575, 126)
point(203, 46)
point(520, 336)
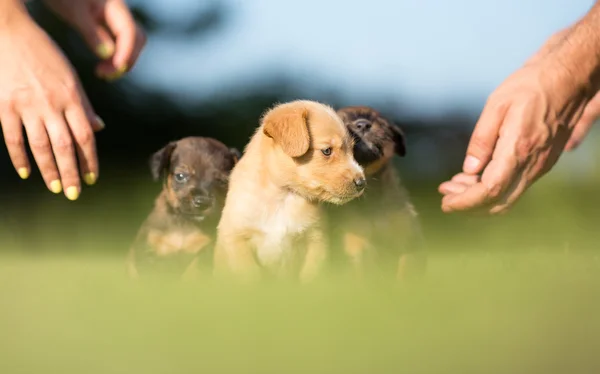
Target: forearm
point(578, 49)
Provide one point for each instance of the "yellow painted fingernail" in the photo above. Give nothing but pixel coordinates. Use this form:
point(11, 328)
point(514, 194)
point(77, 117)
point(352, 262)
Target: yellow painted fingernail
point(104, 51)
point(23, 173)
point(89, 178)
point(72, 193)
point(55, 186)
point(100, 122)
point(116, 74)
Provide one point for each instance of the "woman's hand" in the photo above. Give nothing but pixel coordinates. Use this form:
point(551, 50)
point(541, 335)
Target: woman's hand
point(108, 28)
point(40, 91)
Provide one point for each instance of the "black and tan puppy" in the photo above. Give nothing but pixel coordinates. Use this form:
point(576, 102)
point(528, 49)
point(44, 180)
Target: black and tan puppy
point(379, 232)
point(179, 233)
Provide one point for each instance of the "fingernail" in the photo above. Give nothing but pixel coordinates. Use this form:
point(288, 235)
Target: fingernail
point(89, 178)
point(55, 186)
point(471, 164)
point(116, 74)
point(72, 193)
point(100, 123)
point(104, 51)
point(23, 173)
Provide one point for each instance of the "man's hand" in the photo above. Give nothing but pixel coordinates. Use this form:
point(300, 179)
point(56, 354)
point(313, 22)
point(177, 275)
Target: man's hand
point(587, 120)
point(526, 124)
point(108, 28)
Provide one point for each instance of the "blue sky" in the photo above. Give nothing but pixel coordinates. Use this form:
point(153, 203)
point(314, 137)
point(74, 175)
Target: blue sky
point(428, 55)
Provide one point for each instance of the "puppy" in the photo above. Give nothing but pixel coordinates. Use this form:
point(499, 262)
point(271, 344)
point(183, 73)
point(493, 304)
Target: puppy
point(182, 225)
point(380, 231)
point(299, 157)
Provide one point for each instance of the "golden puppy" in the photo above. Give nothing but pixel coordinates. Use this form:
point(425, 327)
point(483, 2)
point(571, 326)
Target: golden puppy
point(300, 156)
point(380, 231)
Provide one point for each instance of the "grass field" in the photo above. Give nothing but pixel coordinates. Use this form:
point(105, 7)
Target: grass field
point(515, 294)
point(472, 313)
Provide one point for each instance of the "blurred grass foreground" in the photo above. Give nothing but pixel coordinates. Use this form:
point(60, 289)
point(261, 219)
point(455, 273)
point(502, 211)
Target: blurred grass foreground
point(472, 314)
point(512, 294)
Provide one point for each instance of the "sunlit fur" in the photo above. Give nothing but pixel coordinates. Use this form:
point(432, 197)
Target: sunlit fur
point(276, 189)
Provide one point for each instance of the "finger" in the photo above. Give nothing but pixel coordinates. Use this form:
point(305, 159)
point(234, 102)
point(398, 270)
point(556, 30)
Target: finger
point(483, 139)
point(464, 200)
point(109, 69)
point(96, 36)
point(140, 43)
point(497, 177)
point(533, 168)
point(458, 183)
point(99, 40)
point(511, 196)
point(12, 130)
point(42, 152)
point(64, 153)
point(447, 188)
point(130, 39)
point(585, 123)
point(85, 144)
point(92, 118)
point(467, 179)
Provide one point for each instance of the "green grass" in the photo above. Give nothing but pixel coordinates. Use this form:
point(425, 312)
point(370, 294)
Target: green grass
point(472, 313)
point(513, 294)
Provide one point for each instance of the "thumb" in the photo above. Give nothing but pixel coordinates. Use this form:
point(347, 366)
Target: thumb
point(95, 35)
point(588, 119)
point(483, 140)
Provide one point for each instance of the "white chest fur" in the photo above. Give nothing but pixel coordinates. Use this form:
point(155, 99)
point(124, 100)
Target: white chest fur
point(279, 225)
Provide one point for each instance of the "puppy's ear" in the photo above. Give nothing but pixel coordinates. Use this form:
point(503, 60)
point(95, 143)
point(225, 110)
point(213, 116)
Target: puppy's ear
point(343, 114)
point(399, 140)
point(289, 129)
point(159, 161)
point(236, 154)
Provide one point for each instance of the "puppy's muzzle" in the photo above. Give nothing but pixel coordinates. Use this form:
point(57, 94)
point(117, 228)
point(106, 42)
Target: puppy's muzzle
point(201, 202)
point(362, 126)
point(360, 183)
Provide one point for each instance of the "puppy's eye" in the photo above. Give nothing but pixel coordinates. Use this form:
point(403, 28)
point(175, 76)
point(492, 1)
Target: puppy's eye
point(326, 151)
point(181, 177)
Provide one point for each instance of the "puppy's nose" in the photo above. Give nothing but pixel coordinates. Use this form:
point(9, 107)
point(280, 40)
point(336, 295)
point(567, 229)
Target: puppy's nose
point(360, 183)
point(201, 201)
point(363, 125)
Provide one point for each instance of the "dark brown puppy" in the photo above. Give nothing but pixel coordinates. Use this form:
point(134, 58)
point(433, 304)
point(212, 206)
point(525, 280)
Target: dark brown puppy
point(181, 228)
point(380, 231)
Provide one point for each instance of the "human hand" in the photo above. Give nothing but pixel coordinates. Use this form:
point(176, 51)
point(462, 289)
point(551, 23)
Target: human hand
point(461, 181)
point(592, 109)
point(587, 120)
point(40, 91)
point(520, 135)
point(108, 27)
